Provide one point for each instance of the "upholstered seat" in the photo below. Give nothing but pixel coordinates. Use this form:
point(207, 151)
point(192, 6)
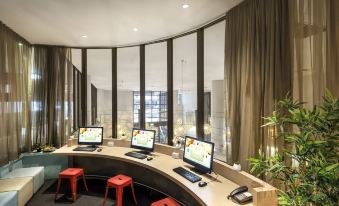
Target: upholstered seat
point(22, 185)
point(9, 198)
point(36, 172)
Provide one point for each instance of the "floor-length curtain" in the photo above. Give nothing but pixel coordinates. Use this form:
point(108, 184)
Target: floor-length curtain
point(54, 92)
point(39, 96)
point(315, 42)
point(15, 65)
point(257, 74)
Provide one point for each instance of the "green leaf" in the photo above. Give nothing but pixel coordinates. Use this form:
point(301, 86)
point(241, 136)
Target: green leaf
point(311, 139)
point(331, 167)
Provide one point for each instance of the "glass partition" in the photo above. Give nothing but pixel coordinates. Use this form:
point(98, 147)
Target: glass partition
point(214, 116)
point(128, 94)
point(185, 85)
point(99, 89)
point(156, 90)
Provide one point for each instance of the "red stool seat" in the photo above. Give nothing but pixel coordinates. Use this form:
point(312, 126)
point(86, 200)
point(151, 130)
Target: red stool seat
point(165, 202)
point(72, 174)
point(119, 182)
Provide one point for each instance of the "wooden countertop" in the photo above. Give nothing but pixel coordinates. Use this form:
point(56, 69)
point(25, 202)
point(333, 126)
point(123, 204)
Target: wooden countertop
point(214, 194)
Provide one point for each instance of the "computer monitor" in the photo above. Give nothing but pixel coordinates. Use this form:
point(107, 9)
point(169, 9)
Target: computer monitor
point(90, 136)
point(143, 140)
point(199, 153)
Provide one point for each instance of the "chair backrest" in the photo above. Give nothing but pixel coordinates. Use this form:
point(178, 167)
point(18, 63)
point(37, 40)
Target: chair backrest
point(4, 170)
point(12, 165)
point(16, 164)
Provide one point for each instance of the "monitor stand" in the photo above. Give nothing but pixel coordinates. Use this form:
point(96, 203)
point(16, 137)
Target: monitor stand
point(143, 152)
point(197, 171)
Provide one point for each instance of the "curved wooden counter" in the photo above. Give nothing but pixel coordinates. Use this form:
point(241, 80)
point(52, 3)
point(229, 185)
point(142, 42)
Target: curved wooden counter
point(214, 194)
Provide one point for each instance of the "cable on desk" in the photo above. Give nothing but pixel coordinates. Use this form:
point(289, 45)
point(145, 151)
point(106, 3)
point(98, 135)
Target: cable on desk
point(214, 178)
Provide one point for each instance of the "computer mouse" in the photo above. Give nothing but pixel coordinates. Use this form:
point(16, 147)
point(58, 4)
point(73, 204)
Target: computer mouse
point(99, 150)
point(202, 184)
point(149, 158)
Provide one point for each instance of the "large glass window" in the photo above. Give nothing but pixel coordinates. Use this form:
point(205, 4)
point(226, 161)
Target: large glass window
point(214, 116)
point(99, 89)
point(185, 85)
point(156, 90)
point(128, 75)
point(155, 112)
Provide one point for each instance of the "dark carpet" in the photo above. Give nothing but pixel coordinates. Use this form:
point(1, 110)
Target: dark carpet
point(94, 197)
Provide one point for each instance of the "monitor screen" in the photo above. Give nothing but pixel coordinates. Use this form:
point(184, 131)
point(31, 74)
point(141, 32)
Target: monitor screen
point(143, 139)
point(90, 135)
point(199, 153)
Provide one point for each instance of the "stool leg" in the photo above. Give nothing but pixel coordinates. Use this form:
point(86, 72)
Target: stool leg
point(74, 188)
point(119, 193)
point(57, 190)
point(135, 199)
point(83, 178)
point(106, 193)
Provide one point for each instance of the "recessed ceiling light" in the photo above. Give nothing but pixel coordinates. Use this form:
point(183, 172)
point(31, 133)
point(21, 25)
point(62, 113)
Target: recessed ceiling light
point(185, 6)
point(20, 44)
point(84, 36)
point(135, 29)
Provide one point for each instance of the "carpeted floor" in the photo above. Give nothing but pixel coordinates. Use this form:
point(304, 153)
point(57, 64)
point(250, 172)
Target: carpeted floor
point(94, 197)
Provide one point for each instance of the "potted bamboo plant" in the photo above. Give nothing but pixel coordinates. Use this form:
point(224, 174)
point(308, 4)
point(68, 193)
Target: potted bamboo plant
point(312, 176)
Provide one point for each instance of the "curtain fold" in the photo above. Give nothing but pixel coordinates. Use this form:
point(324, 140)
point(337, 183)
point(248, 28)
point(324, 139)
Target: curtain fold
point(53, 90)
point(314, 48)
point(15, 65)
point(257, 74)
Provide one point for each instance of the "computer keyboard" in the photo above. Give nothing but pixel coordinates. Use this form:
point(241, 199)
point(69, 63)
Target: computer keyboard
point(187, 174)
point(85, 149)
point(136, 155)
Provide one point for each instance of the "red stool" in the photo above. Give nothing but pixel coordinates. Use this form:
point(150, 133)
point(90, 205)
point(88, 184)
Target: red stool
point(72, 174)
point(165, 202)
point(119, 182)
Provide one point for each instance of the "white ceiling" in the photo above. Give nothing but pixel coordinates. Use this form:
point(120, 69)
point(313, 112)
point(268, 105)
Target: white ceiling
point(184, 48)
point(111, 23)
point(106, 22)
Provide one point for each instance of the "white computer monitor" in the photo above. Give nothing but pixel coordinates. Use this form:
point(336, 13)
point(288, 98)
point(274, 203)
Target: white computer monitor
point(199, 153)
point(90, 136)
point(143, 139)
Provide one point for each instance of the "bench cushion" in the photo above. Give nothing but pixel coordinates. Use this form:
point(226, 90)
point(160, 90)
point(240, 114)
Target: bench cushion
point(36, 172)
point(22, 185)
point(9, 198)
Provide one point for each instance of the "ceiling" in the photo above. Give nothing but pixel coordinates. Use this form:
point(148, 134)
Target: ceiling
point(99, 63)
point(106, 22)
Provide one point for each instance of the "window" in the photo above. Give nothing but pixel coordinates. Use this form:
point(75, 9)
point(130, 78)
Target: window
point(155, 112)
point(99, 89)
point(214, 116)
point(156, 90)
point(128, 76)
point(185, 85)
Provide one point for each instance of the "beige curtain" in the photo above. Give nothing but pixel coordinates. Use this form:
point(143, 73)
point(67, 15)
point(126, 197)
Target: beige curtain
point(39, 96)
point(257, 74)
point(53, 91)
point(315, 41)
point(15, 65)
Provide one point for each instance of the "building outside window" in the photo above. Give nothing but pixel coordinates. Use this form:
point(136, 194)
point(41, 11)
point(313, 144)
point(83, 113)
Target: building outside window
point(155, 112)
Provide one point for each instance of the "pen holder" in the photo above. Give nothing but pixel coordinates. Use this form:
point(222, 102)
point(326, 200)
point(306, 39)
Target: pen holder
point(110, 143)
point(71, 141)
point(236, 167)
point(175, 155)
